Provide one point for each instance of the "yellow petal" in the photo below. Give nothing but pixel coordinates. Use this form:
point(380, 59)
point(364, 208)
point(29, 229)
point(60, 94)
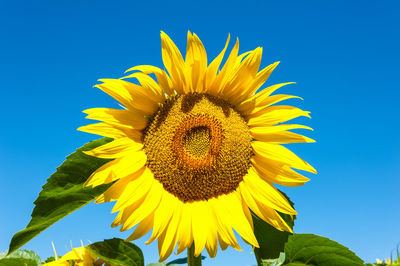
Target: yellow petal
point(124, 214)
point(151, 88)
point(281, 154)
point(119, 90)
point(239, 61)
point(143, 228)
point(135, 190)
point(265, 192)
point(117, 169)
point(262, 96)
point(171, 234)
point(257, 110)
point(173, 62)
point(112, 131)
point(165, 249)
point(162, 215)
point(129, 131)
point(262, 211)
point(213, 68)
point(137, 98)
point(273, 100)
point(240, 223)
point(146, 207)
point(185, 235)
point(259, 98)
point(115, 149)
point(115, 116)
point(229, 80)
point(260, 79)
point(212, 243)
point(57, 263)
point(247, 213)
point(77, 254)
point(261, 130)
point(276, 114)
point(222, 243)
point(226, 69)
point(224, 224)
point(195, 63)
point(278, 173)
point(103, 129)
point(114, 192)
point(237, 88)
point(162, 77)
point(282, 137)
point(201, 218)
point(212, 237)
point(161, 242)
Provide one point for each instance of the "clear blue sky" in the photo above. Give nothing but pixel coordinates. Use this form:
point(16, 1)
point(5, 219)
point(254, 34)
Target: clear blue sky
point(344, 56)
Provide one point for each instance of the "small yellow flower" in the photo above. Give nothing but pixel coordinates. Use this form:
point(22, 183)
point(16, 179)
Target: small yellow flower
point(388, 261)
point(81, 257)
point(196, 149)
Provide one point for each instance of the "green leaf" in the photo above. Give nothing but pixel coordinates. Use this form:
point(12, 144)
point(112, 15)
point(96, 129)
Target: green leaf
point(309, 249)
point(21, 258)
point(117, 252)
point(63, 193)
point(181, 261)
point(271, 240)
point(274, 262)
point(50, 259)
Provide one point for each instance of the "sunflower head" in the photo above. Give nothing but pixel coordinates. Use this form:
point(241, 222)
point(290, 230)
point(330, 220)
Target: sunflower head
point(196, 148)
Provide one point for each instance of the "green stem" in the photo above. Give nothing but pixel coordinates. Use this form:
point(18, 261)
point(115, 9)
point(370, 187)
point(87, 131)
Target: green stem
point(191, 259)
point(258, 258)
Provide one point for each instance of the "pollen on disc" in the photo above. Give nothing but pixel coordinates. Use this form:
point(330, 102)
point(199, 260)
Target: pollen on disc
point(198, 147)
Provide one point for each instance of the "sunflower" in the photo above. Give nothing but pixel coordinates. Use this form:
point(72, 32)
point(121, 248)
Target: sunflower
point(196, 148)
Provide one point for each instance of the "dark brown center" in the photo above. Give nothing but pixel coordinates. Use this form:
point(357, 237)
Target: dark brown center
point(198, 147)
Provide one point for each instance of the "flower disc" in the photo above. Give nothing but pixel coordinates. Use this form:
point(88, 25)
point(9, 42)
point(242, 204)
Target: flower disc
point(198, 147)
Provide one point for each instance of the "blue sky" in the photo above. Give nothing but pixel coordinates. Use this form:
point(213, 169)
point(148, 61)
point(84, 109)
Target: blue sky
point(344, 56)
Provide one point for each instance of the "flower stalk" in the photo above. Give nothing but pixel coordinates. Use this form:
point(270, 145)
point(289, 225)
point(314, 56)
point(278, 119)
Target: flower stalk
point(191, 259)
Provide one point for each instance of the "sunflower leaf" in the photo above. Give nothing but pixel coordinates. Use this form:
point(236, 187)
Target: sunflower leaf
point(63, 193)
point(117, 252)
point(181, 261)
point(21, 258)
point(309, 249)
point(271, 240)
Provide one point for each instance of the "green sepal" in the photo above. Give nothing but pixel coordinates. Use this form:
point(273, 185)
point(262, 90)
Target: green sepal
point(21, 258)
point(116, 251)
point(309, 249)
point(271, 240)
point(63, 193)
